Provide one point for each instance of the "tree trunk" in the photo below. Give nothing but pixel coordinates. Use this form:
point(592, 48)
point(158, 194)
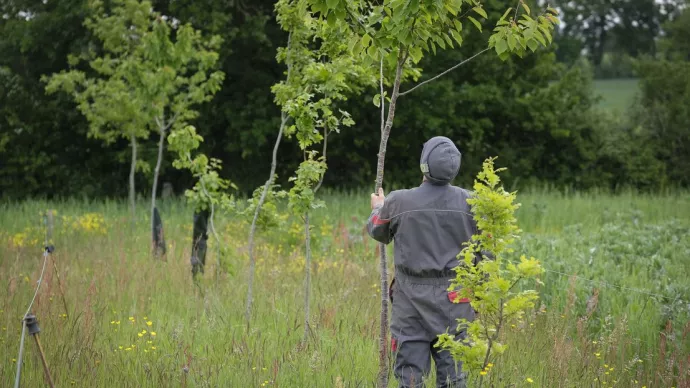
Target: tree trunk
point(383, 262)
point(156, 171)
point(262, 199)
point(252, 230)
point(132, 170)
point(307, 276)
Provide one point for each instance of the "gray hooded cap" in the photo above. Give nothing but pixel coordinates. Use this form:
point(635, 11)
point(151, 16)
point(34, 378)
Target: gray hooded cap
point(440, 161)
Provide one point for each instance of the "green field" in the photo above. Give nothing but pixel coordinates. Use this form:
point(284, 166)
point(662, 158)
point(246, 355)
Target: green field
point(616, 94)
point(117, 296)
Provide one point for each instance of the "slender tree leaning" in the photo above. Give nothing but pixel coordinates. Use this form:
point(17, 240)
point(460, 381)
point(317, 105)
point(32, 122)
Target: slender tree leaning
point(318, 77)
point(262, 197)
point(395, 35)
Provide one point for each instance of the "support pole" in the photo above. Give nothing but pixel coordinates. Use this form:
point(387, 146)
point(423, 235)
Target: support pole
point(20, 359)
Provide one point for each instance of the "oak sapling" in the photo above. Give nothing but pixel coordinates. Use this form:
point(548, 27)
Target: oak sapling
point(394, 36)
point(488, 278)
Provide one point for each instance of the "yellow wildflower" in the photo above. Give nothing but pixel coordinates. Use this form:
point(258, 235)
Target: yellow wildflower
point(153, 347)
point(153, 333)
point(140, 335)
point(128, 349)
point(489, 365)
point(483, 373)
point(529, 380)
point(149, 323)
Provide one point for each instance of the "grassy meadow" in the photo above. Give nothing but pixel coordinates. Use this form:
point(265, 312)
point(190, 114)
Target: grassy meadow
point(119, 318)
point(616, 94)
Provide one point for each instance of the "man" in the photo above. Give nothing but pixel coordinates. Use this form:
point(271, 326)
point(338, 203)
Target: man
point(429, 224)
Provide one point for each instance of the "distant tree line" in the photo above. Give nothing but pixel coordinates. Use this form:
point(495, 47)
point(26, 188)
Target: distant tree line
point(544, 131)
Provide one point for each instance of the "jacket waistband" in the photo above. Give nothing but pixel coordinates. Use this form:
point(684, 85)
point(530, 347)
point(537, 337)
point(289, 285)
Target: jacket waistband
point(424, 277)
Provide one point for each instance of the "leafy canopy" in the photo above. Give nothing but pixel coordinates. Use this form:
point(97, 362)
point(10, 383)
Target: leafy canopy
point(150, 73)
point(401, 29)
point(321, 74)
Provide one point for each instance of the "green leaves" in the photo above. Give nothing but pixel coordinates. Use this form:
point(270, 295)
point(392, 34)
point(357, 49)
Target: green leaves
point(366, 40)
point(301, 198)
point(480, 11)
point(475, 22)
point(518, 35)
point(501, 46)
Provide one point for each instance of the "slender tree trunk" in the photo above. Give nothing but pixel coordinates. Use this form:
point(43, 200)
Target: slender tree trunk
point(383, 262)
point(252, 230)
point(132, 170)
point(307, 276)
point(156, 172)
point(307, 243)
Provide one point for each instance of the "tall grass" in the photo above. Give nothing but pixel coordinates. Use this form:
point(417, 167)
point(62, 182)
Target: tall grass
point(113, 287)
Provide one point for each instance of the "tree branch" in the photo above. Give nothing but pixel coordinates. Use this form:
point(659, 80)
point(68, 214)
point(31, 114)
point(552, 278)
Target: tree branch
point(444, 73)
point(383, 99)
point(325, 147)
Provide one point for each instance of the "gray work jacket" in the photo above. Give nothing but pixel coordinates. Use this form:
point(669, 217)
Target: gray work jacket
point(429, 224)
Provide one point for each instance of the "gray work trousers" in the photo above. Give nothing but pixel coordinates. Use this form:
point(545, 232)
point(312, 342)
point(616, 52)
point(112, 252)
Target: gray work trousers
point(422, 310)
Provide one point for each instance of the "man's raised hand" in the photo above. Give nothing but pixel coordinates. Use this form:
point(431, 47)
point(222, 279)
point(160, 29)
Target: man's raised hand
point(377, 199)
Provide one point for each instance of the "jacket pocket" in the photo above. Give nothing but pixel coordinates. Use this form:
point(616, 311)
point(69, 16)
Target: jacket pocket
point(454, 298)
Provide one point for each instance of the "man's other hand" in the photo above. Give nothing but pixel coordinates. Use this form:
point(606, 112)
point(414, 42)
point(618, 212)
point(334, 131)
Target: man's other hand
point(377, 199)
